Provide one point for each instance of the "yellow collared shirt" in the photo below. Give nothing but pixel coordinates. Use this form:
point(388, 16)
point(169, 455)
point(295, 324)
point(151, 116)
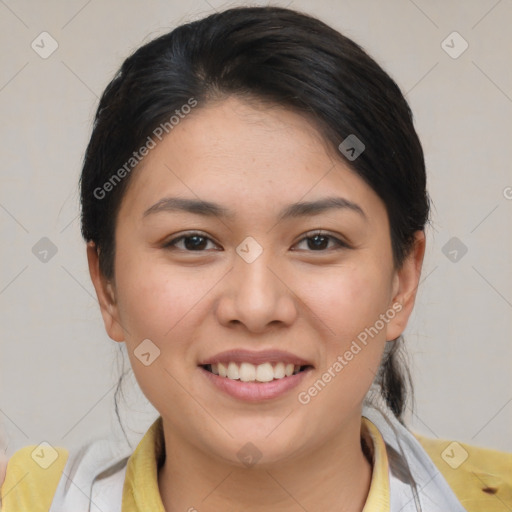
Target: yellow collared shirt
point(483, 483)
point(141, 491)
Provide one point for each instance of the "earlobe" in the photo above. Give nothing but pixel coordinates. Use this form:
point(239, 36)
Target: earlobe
point(105, 294)
point(405, 286)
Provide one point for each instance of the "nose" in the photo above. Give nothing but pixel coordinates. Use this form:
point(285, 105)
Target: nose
point(256, 295)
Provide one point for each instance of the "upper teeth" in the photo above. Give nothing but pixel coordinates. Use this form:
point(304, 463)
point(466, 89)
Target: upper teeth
point(248, 372)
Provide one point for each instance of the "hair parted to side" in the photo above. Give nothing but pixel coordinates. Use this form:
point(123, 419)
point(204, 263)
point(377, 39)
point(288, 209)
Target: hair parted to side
point(278, 56)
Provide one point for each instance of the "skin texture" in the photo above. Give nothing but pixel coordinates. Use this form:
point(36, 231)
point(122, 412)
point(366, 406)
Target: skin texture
point(254, 159)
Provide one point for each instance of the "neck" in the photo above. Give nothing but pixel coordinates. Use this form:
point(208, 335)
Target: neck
point(334, 476)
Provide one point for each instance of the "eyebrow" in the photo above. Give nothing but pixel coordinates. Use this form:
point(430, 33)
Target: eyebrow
point(209, 209)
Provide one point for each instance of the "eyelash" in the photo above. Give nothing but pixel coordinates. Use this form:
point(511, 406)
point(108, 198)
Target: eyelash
point(171, 244)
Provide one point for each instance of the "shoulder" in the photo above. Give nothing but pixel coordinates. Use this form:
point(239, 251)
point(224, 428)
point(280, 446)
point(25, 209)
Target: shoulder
point(480, 477)
point(44, 476)
point(31, 477)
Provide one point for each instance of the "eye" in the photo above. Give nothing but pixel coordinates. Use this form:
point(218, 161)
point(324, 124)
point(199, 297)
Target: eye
point(318, 241)
point(192, 242)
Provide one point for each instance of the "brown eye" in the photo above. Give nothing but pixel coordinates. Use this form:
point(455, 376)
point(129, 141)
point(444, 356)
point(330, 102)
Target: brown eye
point(319, 242)
point(192, 242)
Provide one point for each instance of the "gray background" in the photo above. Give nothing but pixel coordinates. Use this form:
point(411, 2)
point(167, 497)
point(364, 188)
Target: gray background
point(58, 368)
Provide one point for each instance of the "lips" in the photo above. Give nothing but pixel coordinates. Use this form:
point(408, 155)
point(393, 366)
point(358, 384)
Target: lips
point(247, 366)
point(254, 376)
point(255, 391)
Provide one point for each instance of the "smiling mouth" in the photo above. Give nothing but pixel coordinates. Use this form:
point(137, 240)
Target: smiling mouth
point(247, 372)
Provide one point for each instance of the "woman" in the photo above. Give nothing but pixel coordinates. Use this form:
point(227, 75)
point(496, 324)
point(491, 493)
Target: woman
point(254, 204)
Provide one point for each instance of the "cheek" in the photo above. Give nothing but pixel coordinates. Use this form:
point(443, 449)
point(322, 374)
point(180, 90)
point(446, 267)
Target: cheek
point(154, 298)
point(157, 304)
point(348, 304)
point(348, 299)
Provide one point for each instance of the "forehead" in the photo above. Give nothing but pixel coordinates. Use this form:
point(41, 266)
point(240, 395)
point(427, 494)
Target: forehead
point(245, 155)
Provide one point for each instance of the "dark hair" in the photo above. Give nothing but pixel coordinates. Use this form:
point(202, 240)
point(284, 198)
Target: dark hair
point(282, 57)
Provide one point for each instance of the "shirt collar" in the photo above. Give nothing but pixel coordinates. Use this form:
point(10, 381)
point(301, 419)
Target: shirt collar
point(141, 492)
point(378, 495)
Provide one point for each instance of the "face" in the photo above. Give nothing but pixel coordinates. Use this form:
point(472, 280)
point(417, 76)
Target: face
point(255, 282)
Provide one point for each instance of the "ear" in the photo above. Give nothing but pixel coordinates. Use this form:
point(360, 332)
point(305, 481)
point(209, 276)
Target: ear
point(106, 295)
point(405, 285)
